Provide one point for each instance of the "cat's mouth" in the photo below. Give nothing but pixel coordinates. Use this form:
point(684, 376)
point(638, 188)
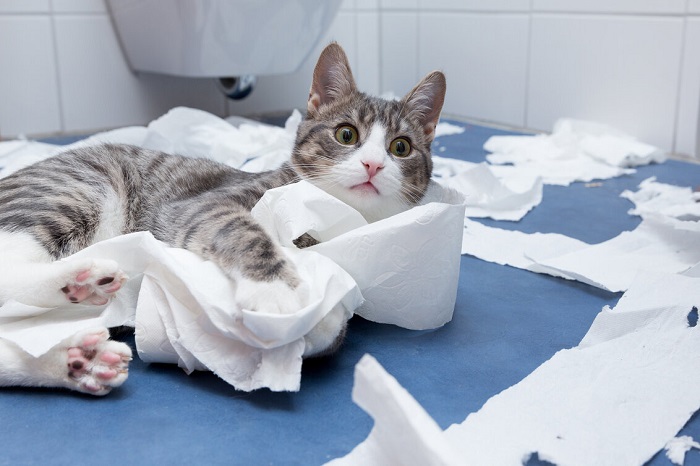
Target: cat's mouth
point(366, 187)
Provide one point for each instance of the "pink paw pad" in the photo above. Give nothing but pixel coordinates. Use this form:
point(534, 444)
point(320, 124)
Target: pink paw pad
point(97, 364)
point(95, 285)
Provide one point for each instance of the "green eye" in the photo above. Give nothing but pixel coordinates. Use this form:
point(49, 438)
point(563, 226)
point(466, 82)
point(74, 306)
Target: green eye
point(346, 135)
point(400, 147)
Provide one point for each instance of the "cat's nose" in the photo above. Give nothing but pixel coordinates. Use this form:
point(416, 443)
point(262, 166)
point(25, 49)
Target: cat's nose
point(372, 167)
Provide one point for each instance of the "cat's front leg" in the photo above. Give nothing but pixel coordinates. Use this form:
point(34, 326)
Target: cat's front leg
point(266, 280)
point(275, 296)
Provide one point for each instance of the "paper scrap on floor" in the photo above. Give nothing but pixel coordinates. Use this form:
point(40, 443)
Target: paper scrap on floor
point(635, 364)
point(677, 447)
point(575, 151)
point(184, 307)
point(668, 239)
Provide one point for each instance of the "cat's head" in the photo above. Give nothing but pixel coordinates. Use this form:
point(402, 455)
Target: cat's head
point(372, 154)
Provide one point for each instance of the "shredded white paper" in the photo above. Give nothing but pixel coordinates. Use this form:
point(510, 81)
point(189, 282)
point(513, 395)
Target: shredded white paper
point(679, 202)
point(486, 194)
point(575, 151)
point(446, 129)
point(617, 398)
point(677, 447)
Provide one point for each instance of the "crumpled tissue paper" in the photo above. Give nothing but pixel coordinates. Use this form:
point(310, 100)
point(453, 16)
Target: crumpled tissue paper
point(407, 266)
point(575, 151)
point(186, 313)
point(249, 145)
point(632, 379)
point(677, 447)
point(679, 202)
point(15, 155)
point(444, 128)
point(489, 191)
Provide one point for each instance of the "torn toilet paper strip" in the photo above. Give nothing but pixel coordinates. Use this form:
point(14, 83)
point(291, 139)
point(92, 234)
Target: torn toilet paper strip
point(658, 243)
point(632, 389)
point(403, 432)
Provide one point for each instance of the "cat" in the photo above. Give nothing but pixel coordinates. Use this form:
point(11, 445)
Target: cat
point(371, 153)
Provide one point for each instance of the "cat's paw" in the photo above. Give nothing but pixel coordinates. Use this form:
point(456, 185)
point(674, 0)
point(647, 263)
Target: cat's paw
point(94, 363)
point(273, 297)
point(93, 281)
point(327, 336)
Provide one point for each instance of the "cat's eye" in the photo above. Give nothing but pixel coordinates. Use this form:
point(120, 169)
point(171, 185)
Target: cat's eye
point(400, 147)
point(346, 135)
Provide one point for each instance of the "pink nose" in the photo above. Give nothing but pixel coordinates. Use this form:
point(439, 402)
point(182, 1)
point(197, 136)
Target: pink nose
point(372, 168)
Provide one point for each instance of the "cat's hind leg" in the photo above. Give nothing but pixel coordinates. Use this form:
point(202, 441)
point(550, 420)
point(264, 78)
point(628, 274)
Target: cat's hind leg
point(29, 275)
point(87, 362)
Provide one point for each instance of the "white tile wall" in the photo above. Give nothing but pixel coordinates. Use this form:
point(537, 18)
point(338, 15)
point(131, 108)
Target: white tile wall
point(623, 71)
point(689, 93)
point(368, 58)
point(28, 88)
point(611, 6)
point(485, 59)
point(399, 61)
point(475, 5)
point(24, 6)
point(694, 6)
point(629, 63)
point(367, 4)
point(63, 71)
point(282, 93)
point(99, 91)
point(399, 4)
point(79, 6)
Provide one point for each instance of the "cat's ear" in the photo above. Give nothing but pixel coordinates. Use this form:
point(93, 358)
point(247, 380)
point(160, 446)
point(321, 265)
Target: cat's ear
point(424, 102)
point(332, 78)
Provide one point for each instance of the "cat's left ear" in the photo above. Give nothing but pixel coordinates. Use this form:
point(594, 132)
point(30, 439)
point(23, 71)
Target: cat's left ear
point(425, 101)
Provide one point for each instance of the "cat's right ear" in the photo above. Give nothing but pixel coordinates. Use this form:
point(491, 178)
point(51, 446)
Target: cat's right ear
point(332, 78)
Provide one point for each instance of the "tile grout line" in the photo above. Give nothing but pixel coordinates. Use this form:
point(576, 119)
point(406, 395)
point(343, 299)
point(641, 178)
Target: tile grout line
point(528, 58)
point(679, 81)
point(59, 88)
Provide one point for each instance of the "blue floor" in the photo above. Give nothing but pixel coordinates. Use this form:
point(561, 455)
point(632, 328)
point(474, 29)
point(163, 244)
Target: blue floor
point(506, 323)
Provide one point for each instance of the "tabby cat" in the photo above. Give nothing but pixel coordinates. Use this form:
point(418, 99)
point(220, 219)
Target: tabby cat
point(371, 153)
